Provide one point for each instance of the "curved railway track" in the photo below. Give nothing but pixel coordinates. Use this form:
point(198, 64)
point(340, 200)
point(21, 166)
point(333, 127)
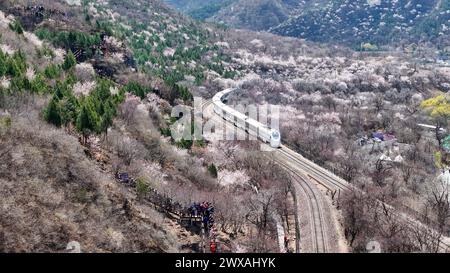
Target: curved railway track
point(298, 165)
point(333, 183)
point(321, 175)
point(319, 238)
point(317, 221)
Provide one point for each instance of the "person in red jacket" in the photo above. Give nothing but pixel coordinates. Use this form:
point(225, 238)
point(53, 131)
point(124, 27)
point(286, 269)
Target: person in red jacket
point(212, 247)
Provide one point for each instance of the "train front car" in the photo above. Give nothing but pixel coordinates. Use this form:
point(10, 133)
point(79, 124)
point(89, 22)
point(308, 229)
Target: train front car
point(275, 139)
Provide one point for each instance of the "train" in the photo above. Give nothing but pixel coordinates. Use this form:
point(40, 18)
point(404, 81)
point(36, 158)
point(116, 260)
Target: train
point(249, 125)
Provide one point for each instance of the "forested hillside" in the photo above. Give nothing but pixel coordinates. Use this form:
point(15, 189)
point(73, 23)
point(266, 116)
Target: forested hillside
point(86, 93)
point(90, 93)
point(380, 22)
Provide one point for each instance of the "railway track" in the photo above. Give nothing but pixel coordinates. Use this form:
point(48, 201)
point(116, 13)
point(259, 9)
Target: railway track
point(333, 183)
point(297, 164)
point(317, 221)
point(319, 174)
point(205, 104)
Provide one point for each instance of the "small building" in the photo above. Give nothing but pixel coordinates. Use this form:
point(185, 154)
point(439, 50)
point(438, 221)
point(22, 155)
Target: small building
point(382, 136)
point(378, 136)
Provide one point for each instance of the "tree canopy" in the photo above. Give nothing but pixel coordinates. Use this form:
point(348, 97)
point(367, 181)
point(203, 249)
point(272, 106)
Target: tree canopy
point(439, 106)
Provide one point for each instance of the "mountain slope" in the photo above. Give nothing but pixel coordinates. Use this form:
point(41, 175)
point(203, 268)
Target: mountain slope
point(349, 22)
point(86, 92)
point(380, 21)
point(254, 15)
point(52, 191)
point(66, 127)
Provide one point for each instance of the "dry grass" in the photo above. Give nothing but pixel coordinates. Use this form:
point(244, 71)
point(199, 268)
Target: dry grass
point(52, 194)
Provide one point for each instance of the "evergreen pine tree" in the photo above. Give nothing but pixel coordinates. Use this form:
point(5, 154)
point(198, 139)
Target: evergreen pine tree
point(69, 108)
point(212, 170)
point(107, 120)
point(3, 62)
point(87, 120)
point(53, 112)
point(69, 61)
point(38, 84)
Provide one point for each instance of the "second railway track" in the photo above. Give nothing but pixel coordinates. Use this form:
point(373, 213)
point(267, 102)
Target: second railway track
point(321, 175)
point(317, 220)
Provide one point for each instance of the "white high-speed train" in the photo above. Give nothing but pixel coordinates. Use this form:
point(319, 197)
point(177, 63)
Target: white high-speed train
point(241, 121)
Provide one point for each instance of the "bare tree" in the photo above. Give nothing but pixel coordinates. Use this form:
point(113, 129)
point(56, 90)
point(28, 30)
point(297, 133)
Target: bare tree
point(438, 199)
point(128, 109)
point(127, 149)
point(378, 104)
point(330, 103)
point(350, 162)
point(355, 220)
point(407, 170)
point(261, 208)
point(381, 171)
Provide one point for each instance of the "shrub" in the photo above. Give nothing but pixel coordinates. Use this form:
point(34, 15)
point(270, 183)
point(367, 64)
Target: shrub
point(185, 144)
point(137, 89)
point(16, 26)
point(52, 71)
point(81, 196)
point(142, 188)
point(3, 62)
point(5, 122)
point(212, 169)
point(69, 61)
point(52, 112)
point(166, 132)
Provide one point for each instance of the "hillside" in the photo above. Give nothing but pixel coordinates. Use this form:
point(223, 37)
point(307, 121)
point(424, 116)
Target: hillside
point(254, 15)
point(51, 191)
point(90, 96)
point(199, 9)
point(86, 91)
point(381, 22)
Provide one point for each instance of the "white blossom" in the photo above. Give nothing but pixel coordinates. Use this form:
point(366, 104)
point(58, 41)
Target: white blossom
point(7, 49)
point(5, 82)
point(30, 74)
point(227, 177)
point(169, 52)
point(4, 21)
point(117, 57)
point(32, 38)
point(114, 90)
point(84, 72)
point(83, 89)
